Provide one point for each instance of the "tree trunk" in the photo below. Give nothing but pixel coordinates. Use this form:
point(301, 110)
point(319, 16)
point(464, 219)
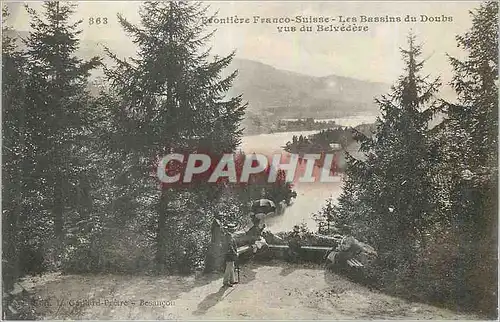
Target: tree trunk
point(10, 240)
point(58, 211)
point(11, 253)
point(58, 206)
point(161, 248)
point(214, 258)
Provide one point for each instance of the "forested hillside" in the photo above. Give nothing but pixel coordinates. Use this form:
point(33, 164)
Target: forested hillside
point(426, 197)
point(80, 191)
point(80, 187)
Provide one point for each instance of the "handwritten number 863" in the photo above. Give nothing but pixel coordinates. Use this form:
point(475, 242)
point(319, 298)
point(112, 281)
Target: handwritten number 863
point(98, 21)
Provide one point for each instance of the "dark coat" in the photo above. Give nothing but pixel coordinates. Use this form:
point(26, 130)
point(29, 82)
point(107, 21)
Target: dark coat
point(231, 249)
point(294, 242)
point(254, 233)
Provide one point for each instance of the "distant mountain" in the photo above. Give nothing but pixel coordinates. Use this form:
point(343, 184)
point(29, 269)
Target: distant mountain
point(275, 94)
point(279, 93)
point(284, 94)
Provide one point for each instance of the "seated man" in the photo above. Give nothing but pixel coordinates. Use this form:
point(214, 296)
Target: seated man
point(347, 249)
point(255, 235)
point(350, 246)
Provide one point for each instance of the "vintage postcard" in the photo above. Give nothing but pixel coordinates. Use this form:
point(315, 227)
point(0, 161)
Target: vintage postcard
point(258, 160)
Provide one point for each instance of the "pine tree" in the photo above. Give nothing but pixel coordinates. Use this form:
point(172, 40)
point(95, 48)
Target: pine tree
point(13, 148)
point(349, 210)
point(471, 158)
point(172, 98)
point(394, 197)
point(326, 218)
point(59, 114)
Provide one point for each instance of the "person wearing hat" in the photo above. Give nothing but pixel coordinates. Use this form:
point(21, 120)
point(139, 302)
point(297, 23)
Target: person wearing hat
point(261, 208)
point(230, 257)
point(294, 244)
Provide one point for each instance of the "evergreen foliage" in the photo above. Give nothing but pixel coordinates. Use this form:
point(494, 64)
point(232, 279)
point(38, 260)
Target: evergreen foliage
point(470, 131)
point(427, 198)
point(171, 98)
point(13, 149)
point(383, 186)
point(79, 185)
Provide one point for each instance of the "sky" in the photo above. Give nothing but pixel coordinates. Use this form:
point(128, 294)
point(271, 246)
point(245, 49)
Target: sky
point(372, 55)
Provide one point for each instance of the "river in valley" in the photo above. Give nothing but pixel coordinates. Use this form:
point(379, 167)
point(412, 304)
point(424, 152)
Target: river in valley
point(310, 196)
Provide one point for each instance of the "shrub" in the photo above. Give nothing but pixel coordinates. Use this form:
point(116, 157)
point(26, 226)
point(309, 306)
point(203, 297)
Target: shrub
point(120, 251)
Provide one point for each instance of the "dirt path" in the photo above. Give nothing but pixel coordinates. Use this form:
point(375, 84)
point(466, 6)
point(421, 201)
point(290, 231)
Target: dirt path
point(272, 291)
